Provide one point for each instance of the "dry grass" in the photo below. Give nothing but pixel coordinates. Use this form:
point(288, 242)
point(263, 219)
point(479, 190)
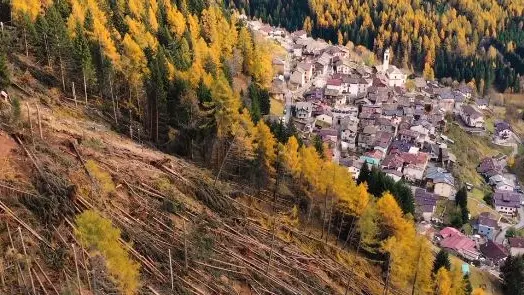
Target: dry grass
point(104, 179)
point(470, 149)
point(480, 278)
point(277, 107)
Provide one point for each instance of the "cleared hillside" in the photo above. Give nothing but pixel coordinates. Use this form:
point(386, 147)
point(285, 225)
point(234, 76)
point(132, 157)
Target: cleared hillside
point(161, 204)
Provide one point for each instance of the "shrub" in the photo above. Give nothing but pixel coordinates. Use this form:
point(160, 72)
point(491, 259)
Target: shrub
point(98, 234)
point(103, 178)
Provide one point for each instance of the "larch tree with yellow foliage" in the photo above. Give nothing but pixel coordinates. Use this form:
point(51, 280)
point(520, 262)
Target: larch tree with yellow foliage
point(265, 155)
point(443, 282)
point(291, 157)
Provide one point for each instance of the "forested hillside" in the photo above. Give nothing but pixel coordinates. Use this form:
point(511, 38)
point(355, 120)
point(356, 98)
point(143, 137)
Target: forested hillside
point(426, 35)
point(264, 213)
point(165, 72)
point(156, 65)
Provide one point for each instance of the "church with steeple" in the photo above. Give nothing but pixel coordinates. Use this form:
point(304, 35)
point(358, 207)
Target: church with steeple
point(393, 75)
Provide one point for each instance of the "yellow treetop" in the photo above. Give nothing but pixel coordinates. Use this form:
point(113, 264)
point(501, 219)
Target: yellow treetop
point(478, 291)
point(226, 106)
point(140, 34)
point(97, 234)
point(133, 61)
point(390, 213)
point(23, 8)
point(176, 21)
point(443, 282)
point(100, 33)
point(265, 144)
point(291, 157)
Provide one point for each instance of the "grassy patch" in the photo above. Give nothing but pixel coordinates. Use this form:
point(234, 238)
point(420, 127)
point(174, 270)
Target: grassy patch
point(470, 149)
point(103, 178)
point(490, 125)
point(277, 107)
point(480, 278)
point(94, 143)
point(478, 206)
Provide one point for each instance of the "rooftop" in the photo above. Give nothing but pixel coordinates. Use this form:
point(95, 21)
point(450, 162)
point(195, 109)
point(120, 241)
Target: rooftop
point(493, 250)
point(507, 199)
point(516, 242)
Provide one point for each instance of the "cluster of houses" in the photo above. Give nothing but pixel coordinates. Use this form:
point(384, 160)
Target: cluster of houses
point(367, 116)
point(507, 196)
point(484, 249)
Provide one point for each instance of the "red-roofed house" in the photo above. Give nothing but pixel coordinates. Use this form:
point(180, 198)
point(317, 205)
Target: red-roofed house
point(455, 241)
point(415, 166)
point(448, 232)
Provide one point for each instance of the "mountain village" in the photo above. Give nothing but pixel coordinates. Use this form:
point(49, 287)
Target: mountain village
point(384, 117)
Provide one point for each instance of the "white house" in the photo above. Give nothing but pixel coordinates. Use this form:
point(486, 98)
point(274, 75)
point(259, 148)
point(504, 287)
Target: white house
point(306, 69)
point(324, 119)
point(442, 181)
point(343, 66)
point(394, 76)
point(334, 85)
point(299, 34)
point(507, 202)
point(471, 116)
point(297, 50)
point(303, 109)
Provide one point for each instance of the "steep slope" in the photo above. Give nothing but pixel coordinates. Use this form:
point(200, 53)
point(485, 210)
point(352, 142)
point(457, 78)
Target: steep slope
point(219, 239)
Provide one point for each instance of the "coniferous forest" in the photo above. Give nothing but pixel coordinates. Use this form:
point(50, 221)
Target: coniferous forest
point(464, 40)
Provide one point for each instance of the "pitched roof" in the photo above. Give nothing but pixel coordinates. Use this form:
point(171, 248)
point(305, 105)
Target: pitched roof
point(393, 161)
point(458, 242)
point(449, 231)
point(296, 77)
point(305, 66)
point(516, 242)
point(489, 164)
point(486, 220)
point(501, 126)
point(334, 82)
point(425, 200)
point(439, 175)
point(471, 111)
point(493, 250)
point(507, 199)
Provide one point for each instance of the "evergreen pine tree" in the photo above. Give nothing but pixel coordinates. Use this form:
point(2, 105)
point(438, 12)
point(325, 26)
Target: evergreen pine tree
point(467, 285)
point(319, 145)
point(364, 174)
point(441, 260)
point(5, 77)
point(512, 274)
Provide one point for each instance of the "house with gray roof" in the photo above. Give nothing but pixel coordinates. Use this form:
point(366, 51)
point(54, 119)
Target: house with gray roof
point(471, 116)
point(486, 225)
point(507, 202)
point(425, 203)
point(442, 181)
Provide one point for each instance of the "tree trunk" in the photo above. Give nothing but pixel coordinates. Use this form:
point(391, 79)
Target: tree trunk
point(324, 214)
point(47, 51)
point(25, 42)
point(130, 116)
point(349, 233)
point(156, 129)
point(112, 99)
point(85, 84)
point(74, 93)
point(340, 226)
point(330, 218)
